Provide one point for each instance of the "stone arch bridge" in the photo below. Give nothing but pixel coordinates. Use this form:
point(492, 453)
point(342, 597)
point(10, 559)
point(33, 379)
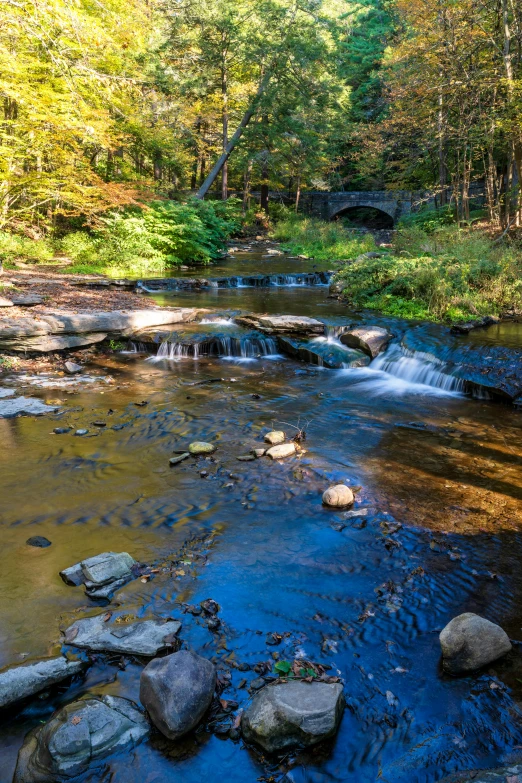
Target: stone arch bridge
point(394, 203)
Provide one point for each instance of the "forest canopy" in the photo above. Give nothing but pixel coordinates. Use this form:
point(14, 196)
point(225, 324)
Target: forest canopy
point(110, 105)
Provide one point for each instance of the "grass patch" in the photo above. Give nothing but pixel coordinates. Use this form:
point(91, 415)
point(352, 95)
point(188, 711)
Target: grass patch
point(445, 274)
point(320, 240)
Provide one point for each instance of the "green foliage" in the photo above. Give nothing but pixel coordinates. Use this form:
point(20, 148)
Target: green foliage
point(449, 274)
point(166, 233)
point(321, 240)
point(15, 247)
point(430, 220)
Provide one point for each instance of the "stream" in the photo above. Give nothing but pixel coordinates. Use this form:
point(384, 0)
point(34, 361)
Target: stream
point(437, 532)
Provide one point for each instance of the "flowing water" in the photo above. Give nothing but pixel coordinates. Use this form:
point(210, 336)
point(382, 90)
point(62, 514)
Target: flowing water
point(438, 533)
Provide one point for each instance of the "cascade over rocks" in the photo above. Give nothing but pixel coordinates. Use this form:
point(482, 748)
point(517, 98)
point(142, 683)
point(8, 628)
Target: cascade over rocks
point(322, 353)
point(176, 691)
point(27, 679)
point(469, 642)
point(143, 637)
point(292, 714)
point(77, 736)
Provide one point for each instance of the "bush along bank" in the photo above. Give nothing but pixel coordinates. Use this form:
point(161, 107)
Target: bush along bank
point(450, 274)
point(135, 241)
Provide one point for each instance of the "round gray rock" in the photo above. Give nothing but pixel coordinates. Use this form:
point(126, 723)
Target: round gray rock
point(470, 641)
point(200, 447)
point(76, 736)
point(176, 691)
point(292, 714)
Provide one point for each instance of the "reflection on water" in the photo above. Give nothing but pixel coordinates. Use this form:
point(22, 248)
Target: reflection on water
point(362, 594)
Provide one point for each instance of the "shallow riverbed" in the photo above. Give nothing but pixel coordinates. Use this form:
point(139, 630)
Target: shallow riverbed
point(441, 484)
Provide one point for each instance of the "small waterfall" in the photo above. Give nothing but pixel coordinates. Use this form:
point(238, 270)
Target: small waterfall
point(416, 367)
point(236, 281)
point(252, 346)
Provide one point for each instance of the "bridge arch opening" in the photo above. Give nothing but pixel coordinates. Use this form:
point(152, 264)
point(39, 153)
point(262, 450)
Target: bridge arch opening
point(365, 217)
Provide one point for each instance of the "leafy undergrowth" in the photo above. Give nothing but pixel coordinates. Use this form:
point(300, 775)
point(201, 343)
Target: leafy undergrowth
point(321, 240)
point(135, 242)
point(448, 274)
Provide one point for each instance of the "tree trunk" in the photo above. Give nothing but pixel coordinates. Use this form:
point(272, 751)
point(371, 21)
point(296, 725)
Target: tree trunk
point(297, 193)
point(246, 187)
point(209, 181)
point(224, 94)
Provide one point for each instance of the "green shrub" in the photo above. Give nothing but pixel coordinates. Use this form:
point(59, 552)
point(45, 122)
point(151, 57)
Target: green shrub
point(14, 246)
point(449, 274)
point(321, 240)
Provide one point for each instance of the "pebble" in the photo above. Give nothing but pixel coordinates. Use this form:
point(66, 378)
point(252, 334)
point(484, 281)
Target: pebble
point(257, 683)
point(180, 458)
point(81, 432)
point(246, 457)
point(99, 423)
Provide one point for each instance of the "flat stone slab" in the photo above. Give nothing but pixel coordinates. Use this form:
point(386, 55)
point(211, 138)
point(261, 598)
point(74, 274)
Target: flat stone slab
point(100, 569)
point(144, 637)
point(76, 736)
point(282, 324)
point(72, 330)
point(51, 343)
point(24, 406)
point(19, 682)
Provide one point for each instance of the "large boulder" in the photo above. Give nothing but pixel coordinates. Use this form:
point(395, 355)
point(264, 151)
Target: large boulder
point(78, 735)
point(282, 324)
point(26, 679)
point(143, 637)
point(177, 691)
point(370, 339)
point(470, 641)
point(101, 574)
point(293, 714)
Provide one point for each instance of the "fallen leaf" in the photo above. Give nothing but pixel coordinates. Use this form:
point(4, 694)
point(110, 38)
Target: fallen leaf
point(71, 634)
point(76, 720)
point(107, 616)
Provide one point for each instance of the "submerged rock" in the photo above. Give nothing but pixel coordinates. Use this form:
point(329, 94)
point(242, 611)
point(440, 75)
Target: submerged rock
point(275, 437)
point(511, 773)
point(143, 637)
point(200, 447)
point(176, 691)
point(77, 735)
point(292, 714)
point(24, 406)
point(370, 339)
point(179, 458)
point(469, 642)
point(38, 541)
point(26, 679)
point(339, 496)
point(284, 450)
